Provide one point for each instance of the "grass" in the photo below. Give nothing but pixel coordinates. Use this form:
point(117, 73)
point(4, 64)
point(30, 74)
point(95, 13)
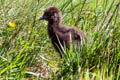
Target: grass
point(26, 51)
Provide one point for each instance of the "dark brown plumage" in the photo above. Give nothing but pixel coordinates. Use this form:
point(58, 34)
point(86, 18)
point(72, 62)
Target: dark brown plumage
point(61, 35)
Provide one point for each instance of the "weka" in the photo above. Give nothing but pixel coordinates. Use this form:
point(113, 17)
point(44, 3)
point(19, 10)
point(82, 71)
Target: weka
point(61, 36)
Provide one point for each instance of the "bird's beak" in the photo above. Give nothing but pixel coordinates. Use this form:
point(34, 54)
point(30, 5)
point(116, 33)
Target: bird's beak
point(42, 17)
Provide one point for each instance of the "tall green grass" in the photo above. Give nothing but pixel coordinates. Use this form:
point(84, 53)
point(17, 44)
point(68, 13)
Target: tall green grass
point(26, 51)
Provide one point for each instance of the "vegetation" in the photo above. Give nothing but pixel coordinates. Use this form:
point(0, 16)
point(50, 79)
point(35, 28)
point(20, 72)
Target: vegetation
point(26, 51)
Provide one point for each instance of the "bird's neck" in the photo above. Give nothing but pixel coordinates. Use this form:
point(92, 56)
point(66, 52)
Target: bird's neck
point(52, 27)
point(54, 23)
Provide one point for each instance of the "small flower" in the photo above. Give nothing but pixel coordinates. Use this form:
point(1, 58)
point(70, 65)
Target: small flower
point(99, 2)
point(11, 24)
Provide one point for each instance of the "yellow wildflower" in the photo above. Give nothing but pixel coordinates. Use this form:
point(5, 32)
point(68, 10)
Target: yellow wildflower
point(11, 24)
point(99, 2)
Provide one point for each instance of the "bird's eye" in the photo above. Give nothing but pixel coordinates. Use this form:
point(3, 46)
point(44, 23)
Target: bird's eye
point(55, 14)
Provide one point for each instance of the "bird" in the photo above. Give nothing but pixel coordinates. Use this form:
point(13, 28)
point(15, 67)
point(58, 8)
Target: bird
point(61, 36)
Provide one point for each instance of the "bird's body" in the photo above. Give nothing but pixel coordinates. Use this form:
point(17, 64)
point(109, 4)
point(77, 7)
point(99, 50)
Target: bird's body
point(61, 35)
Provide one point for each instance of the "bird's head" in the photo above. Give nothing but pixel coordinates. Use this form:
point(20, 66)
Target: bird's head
point(51, 14)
